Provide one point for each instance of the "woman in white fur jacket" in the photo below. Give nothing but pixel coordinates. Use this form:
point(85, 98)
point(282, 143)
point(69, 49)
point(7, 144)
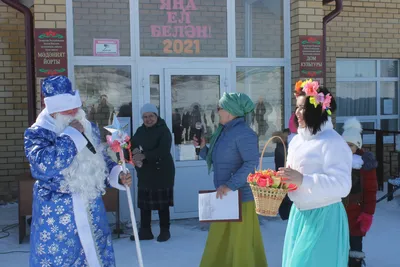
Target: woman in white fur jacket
point(319, 162)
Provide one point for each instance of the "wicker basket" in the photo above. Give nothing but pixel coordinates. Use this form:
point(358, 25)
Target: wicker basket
point(268, 199)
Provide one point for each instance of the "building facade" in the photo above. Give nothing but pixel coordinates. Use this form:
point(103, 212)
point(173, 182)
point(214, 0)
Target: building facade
point(182, 55)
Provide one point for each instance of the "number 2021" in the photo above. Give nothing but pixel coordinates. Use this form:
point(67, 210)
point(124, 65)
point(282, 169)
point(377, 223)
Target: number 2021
point(181, 47)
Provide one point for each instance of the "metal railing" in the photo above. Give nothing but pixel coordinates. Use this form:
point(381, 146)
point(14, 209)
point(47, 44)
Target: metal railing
point(394, 156)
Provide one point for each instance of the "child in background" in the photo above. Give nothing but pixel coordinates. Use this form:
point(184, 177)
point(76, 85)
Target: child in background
point(360, 203)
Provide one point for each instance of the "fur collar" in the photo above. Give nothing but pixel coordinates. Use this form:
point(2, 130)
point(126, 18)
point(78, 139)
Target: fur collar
point(306, 134)
point(45, 120)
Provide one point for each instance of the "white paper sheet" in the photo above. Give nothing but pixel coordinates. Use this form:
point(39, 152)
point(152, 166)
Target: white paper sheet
point(213, 209)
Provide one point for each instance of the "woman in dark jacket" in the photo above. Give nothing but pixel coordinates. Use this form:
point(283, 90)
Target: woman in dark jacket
point(155, 170)
point(361, 202)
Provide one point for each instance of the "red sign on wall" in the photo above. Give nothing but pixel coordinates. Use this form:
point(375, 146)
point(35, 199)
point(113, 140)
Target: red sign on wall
point(51, 52)
point(311, 63)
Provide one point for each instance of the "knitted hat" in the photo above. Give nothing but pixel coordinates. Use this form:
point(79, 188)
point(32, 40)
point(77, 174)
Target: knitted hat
point(352, 132)
point(59, 95)
point(148, 108)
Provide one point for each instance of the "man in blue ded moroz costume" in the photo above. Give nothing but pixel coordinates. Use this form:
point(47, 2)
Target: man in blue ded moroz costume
point(69, 224)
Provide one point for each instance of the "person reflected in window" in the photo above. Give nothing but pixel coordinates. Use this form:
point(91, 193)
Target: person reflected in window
point(259, 116)
point(102, 115)
point(186, 124)
point(156, 172)
point(177, 128)
point(232, 155)
point(361, 202)
point(212, 116)
point(319, 163)
point(195, 117)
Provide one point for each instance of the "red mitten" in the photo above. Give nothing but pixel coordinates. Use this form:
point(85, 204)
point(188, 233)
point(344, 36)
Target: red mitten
point(365, 221)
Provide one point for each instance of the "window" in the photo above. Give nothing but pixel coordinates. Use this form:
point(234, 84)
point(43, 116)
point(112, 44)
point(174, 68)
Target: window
point(194, 106)
point(369, 90)
point(105, 91)
point(101, 20)
point(264, 85)
point(259, 28)
point(155, 91)
point(173, 28)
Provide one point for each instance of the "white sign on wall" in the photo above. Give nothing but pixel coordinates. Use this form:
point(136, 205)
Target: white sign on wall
point(106, 47)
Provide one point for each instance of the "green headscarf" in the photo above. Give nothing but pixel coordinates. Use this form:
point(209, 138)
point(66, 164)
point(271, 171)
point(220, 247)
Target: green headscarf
point(238, 105)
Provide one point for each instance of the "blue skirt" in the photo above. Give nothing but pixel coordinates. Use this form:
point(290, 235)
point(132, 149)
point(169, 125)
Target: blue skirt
point(317, 237)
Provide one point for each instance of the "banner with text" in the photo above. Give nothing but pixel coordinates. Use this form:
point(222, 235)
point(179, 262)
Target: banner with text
point(311, 62)
point(180, 35)
point(51, 52)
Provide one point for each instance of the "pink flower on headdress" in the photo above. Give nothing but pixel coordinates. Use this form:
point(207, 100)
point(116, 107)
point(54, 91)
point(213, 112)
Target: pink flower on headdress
point(320, 98)
point(311, 88)
point(327, 102)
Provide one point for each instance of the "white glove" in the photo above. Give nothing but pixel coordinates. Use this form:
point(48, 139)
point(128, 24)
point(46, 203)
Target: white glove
point(357, 162)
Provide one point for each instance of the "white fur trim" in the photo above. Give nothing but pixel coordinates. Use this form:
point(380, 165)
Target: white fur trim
point(356, 254)
point(84, 230)
point(62, 102)
point(79, 141)
point(44, 120)
point(114, 175)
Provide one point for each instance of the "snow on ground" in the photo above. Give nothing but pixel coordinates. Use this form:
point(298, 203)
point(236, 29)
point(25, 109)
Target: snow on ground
point(189, 236)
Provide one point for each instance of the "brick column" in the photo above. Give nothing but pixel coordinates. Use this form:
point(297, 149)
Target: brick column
point(13, 99)
point(306, 19)
point(48, 14)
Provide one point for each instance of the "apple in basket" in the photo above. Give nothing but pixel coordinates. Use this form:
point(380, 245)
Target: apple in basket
point(270, 179)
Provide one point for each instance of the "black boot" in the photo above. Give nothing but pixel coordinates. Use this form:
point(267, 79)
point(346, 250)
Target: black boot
point(355, 262)
point(145, 226)
point(356, 259)
point(144, 234)
point(165, 235)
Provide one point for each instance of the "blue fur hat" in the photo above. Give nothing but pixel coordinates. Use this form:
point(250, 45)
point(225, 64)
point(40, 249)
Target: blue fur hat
point(59, 95)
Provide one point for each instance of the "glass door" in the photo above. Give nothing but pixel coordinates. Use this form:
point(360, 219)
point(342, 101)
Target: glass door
point(191, 98)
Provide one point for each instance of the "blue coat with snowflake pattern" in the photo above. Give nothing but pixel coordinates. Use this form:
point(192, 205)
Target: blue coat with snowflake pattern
point(54, 236)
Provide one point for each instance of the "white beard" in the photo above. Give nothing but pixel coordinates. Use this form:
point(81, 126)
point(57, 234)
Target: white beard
point(87, 173)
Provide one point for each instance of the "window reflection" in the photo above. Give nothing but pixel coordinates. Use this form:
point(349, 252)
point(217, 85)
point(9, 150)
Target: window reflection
point(194, 103)
point(183, 28)
point(389, 98)
point(356, 98)
point(105, 91)
point(155, 91)
point(95, 19)
point(253, 38)
point(264, 85)
point(355, 68)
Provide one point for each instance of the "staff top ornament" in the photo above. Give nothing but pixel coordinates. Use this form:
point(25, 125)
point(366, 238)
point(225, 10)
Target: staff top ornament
point(118, 137)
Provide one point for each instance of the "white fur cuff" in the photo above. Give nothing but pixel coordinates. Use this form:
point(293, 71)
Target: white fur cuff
point(76, 136)
point(356, 254)
point(114, 175)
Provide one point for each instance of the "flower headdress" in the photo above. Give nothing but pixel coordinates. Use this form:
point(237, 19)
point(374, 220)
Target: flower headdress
point(311, 89)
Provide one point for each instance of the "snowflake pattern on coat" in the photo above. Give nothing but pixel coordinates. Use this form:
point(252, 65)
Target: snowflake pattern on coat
point(54, 239)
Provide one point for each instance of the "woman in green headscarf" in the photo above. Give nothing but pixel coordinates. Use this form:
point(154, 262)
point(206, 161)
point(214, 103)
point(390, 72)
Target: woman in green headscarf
point(232, 155)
